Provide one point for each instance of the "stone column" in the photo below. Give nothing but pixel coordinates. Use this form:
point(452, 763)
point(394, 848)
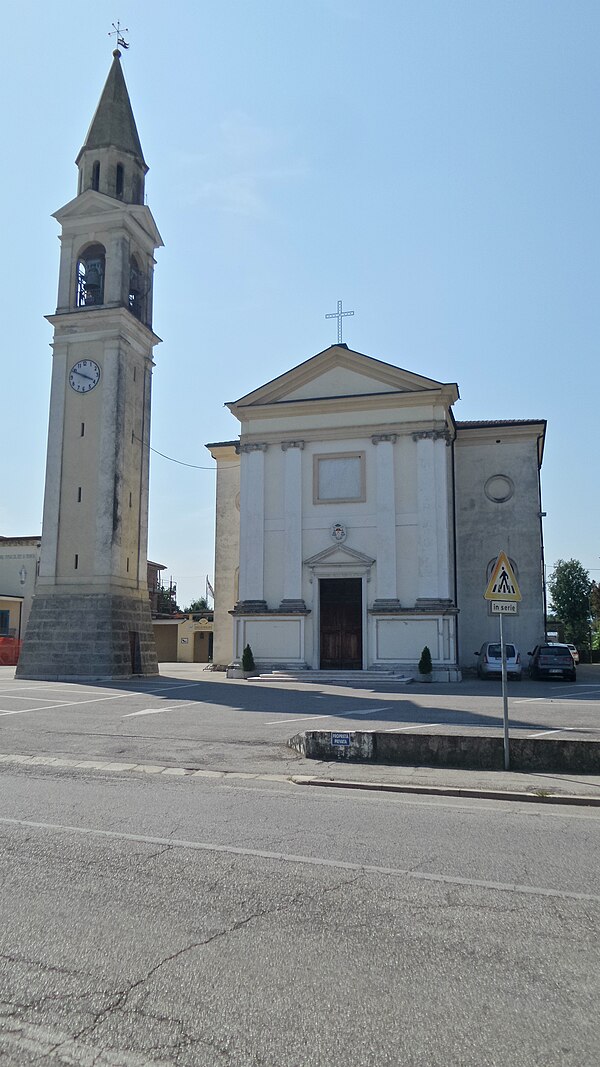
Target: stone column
point(443, 526)
point(67, 273)
point(432, 510)
point(252, 528)
point(292, 517)
point(387, 592)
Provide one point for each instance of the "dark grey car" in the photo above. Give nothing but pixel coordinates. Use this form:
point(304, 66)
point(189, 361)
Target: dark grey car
point(552, 661)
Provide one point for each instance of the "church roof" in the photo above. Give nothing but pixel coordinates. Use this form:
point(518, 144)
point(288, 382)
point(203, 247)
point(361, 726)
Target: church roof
point(476, 423)
point(113, 124)
point(317, 379)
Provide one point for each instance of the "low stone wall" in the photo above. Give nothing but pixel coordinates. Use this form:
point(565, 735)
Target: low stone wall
point(474, 751)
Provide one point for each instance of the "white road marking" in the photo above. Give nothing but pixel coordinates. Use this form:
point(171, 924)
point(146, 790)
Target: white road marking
point(560, 730)
point(414, 726)
point(159, 711)
point(553, 701)
point(11, 696)
point(309, 861)
point(97, 700)
point(332, 715)
point(305, 718)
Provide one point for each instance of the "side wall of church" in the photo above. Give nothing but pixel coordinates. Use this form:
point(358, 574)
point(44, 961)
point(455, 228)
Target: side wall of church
point(227, 549)
point(497, 509)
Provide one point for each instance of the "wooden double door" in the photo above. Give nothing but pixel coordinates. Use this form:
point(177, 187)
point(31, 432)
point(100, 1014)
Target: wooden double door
point(340, 608)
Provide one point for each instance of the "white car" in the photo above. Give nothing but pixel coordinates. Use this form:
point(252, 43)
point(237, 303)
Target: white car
point(574, 652)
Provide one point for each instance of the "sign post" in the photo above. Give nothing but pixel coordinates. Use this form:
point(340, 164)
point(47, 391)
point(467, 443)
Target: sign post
point(504, 593)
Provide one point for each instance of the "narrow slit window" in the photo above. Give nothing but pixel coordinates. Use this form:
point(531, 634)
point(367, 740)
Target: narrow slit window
point(83, 429)
point(79, 495)
point(96, 175)
point(119, 181)
point(76, 560)
point(130, 500)
point(128, 564)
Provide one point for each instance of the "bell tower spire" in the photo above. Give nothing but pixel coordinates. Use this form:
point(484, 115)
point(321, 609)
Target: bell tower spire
point(111, 160)
point(91, 611)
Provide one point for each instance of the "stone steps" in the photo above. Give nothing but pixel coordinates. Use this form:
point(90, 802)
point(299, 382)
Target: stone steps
point(350, 678)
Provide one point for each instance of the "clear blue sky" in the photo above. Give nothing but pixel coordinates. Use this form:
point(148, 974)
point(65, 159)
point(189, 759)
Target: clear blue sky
point(433, 163)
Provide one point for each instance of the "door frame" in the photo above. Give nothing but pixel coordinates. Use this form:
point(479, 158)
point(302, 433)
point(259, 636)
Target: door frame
point(338, 561)
point(348, 572)
point(363, 613)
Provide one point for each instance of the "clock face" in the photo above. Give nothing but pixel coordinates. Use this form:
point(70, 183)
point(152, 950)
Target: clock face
point(84, 376)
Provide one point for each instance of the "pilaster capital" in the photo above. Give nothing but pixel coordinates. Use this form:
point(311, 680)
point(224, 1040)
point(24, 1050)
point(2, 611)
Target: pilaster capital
point(291, 444)
point(255, 447)
point(379, 437)
point(432, 435)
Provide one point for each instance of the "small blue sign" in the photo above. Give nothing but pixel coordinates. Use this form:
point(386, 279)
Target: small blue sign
point(340, 739)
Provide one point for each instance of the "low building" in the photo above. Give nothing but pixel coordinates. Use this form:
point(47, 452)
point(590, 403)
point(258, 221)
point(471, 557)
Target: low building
point(184, 638)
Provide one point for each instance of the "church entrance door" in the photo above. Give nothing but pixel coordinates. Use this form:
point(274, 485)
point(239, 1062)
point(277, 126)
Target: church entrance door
point(340, 607)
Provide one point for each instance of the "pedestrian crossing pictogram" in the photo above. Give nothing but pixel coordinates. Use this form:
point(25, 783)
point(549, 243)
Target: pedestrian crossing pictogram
point(503, 584)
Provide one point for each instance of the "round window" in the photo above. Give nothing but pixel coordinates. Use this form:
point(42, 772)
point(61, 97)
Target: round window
point(499, 488)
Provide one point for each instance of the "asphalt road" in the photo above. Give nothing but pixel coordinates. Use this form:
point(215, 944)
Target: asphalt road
point(192, 718)
point(200, 921)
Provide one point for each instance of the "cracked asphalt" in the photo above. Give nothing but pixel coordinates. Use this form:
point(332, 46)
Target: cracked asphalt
point(152, 921)
point(161, 917)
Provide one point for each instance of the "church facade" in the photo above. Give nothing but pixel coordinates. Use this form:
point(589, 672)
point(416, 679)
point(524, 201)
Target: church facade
point(357, 522)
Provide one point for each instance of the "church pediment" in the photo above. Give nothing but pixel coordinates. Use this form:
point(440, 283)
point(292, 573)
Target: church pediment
point(93, 206)
point(340, 372)
point(339, 554)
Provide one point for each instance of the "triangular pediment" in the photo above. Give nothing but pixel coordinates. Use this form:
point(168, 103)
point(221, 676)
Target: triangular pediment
point(94, 207)
point(339, 554)
point(338, 372)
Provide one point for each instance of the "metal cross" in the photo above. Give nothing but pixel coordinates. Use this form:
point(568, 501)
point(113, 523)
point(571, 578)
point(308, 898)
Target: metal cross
point(339, 315)
point(116, 33)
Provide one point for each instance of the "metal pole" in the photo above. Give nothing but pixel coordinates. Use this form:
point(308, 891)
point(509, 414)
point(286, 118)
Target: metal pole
point(504, 700)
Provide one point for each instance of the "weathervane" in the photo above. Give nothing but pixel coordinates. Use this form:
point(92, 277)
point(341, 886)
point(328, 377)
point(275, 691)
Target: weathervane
point(116, 32)
point(339, 315)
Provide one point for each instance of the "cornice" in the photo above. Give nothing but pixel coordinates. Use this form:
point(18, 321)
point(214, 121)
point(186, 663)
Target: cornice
point(100, 323)
point(329, 405)
point(106, 215)
point(343, 433)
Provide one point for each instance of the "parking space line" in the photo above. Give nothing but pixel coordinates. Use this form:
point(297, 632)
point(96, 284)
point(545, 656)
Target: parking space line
point(332, 715)
point(305, 718)
point(545, 733)
point(413, 726)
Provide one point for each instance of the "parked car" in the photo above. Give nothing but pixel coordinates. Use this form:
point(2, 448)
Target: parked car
point(489, 660)
point(552, 661)
point(574, 653)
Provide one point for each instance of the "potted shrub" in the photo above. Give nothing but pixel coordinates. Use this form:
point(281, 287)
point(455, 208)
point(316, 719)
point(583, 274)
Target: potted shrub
point(244, 668)
point(248, 663)
point(425, 665)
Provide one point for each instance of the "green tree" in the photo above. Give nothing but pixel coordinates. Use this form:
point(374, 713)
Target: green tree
point(595, 613)
point(197, 605)
point(166, 600)
point(570, 587)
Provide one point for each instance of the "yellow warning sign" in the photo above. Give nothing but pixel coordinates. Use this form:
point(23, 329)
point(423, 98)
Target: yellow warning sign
point(503, 585)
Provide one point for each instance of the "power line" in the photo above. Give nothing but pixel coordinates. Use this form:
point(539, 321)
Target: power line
point(180, 462)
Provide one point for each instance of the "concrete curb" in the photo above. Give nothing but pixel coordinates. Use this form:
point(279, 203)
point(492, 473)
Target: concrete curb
point(449, 791)
point(483, 752)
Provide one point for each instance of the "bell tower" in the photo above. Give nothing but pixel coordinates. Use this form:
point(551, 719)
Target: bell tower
point(91, 612)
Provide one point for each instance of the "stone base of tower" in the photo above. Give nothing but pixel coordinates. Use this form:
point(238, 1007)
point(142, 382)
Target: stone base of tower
point(84, 636)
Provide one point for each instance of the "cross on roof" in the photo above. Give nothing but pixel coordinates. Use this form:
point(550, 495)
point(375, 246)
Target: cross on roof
point(339, 315)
